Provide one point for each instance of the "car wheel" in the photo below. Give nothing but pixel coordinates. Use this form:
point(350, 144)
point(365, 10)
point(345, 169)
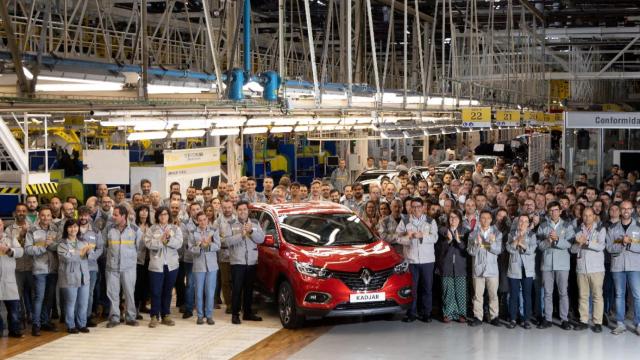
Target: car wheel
point(289, 316)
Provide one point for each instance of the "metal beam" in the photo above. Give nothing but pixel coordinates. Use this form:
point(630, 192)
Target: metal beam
point(398, 7)
point(23, 82)
point(532, 9)
point(615, 58)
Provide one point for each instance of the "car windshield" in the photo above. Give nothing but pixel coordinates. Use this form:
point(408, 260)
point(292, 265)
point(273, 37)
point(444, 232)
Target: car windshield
point(325, 230)
point(487, 163)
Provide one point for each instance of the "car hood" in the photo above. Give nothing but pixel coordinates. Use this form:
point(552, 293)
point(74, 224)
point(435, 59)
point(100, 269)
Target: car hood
point(375, 256)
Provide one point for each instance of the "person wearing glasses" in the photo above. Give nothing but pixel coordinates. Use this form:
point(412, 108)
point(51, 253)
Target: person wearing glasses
point(589, 246)
point(521, 247)
point(555, 237)
point(418, 234)
point(163, 241)
point(623, 243)
point(484, 245)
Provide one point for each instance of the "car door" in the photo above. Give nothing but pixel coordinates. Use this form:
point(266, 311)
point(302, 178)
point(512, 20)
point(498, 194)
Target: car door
point(268, 255)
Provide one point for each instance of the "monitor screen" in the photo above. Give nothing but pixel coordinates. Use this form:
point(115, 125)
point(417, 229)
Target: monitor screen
point(332, 160)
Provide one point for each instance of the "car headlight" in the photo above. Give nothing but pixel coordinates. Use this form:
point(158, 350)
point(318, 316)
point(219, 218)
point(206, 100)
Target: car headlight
point(310, 270)
point(401, 268)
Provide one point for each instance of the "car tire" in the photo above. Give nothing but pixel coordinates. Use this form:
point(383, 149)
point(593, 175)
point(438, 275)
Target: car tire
point(287, 310)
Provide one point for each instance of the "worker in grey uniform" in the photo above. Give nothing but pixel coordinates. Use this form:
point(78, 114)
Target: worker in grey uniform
point(42, 244)
point(243, 242)
point(10, 250)
point(122, 242)
point(223, 224)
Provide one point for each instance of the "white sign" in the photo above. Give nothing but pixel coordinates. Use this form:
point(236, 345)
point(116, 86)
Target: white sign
point(367, 297)
point(105, 167)
point(192, 167)
point(602, 120)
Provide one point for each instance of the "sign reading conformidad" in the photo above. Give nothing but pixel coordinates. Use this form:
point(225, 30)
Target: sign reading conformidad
point(601, 120)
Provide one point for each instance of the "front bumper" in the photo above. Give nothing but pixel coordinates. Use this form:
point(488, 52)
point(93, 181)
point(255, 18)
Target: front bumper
point(339, 305)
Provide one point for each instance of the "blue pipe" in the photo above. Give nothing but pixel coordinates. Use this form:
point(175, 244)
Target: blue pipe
point(85, 64)
point(247, 37)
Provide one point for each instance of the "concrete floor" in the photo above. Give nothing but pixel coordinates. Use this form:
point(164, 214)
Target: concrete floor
point(397, 340)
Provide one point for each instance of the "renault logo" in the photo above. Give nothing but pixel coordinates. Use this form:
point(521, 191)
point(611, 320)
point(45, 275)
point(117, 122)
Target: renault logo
point(366, 277)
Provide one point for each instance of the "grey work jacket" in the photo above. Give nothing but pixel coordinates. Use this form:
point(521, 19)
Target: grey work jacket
point(92, 236)
point(418, 250)
point(205, 259)
point(590, 255)
point(224, 230)
point(624, 257)
point(74, 269)
point(555, 256)
point(519, 257)
point(243, 250)
point(45, 257)
point(8, 285)
point(161, 253)
point(485, 248)
point(122, 246)
point(25, 262)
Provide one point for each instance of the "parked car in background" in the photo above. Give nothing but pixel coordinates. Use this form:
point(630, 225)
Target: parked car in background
point(369, 177)
point(320, 260)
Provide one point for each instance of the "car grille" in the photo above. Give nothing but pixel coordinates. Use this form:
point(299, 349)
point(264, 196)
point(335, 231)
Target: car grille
point(366, 305)
point(354, 280)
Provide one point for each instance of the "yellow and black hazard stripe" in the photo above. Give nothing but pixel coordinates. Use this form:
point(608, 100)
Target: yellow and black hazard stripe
point(38, 189)
point(9, 191)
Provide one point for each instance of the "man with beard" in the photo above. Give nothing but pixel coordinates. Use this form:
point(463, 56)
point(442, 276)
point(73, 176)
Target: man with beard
point(56, 209)
point(316, 187)
point(93, 237)
point(267, 185)
point(32, 208)
point(191, 195)
point(101, 191)
point(347, 198)
point(103, 216)
point(24, 264)
point(145, 187)
point(251, 196)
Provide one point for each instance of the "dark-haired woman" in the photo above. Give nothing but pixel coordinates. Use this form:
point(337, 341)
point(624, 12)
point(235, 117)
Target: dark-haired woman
point(452, 263)
point(73, 277)
point(163, 240)
point(141, 294)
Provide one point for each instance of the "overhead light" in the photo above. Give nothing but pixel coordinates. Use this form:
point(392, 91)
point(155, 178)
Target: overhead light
point(225, 132)
point(281, 129)
point(151, 125)
point(169, 89)
point(179, 134)
point(229, 121)
point(193, 124)
point(253, 86)
point(255, 130)
point(147, 135)
point(261, 121)
point(304, 128)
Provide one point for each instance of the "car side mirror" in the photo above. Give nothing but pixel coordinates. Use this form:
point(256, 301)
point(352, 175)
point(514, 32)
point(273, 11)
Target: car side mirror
point(269, 240)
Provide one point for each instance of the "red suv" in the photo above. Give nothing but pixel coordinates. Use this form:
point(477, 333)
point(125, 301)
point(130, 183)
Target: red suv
point(320, 260)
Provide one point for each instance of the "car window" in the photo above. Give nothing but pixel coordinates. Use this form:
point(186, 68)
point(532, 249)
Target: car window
point(325, 230)
point(269, 226)
point(488, 163)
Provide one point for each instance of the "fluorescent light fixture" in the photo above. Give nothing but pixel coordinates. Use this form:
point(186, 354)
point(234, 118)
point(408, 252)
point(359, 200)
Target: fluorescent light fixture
point(281, 129)
point(229, 121)
point(261, 121)
point(255, 130)
point(147, 135)
point(169, 89)
point(27, 73)
point(79, 87)
point(225, 132)
point(151, 125)
point(192, 124)
point(179, 134)
point(304, 128)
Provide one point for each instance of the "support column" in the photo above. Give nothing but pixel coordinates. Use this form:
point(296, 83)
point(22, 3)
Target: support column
point(234, 158)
